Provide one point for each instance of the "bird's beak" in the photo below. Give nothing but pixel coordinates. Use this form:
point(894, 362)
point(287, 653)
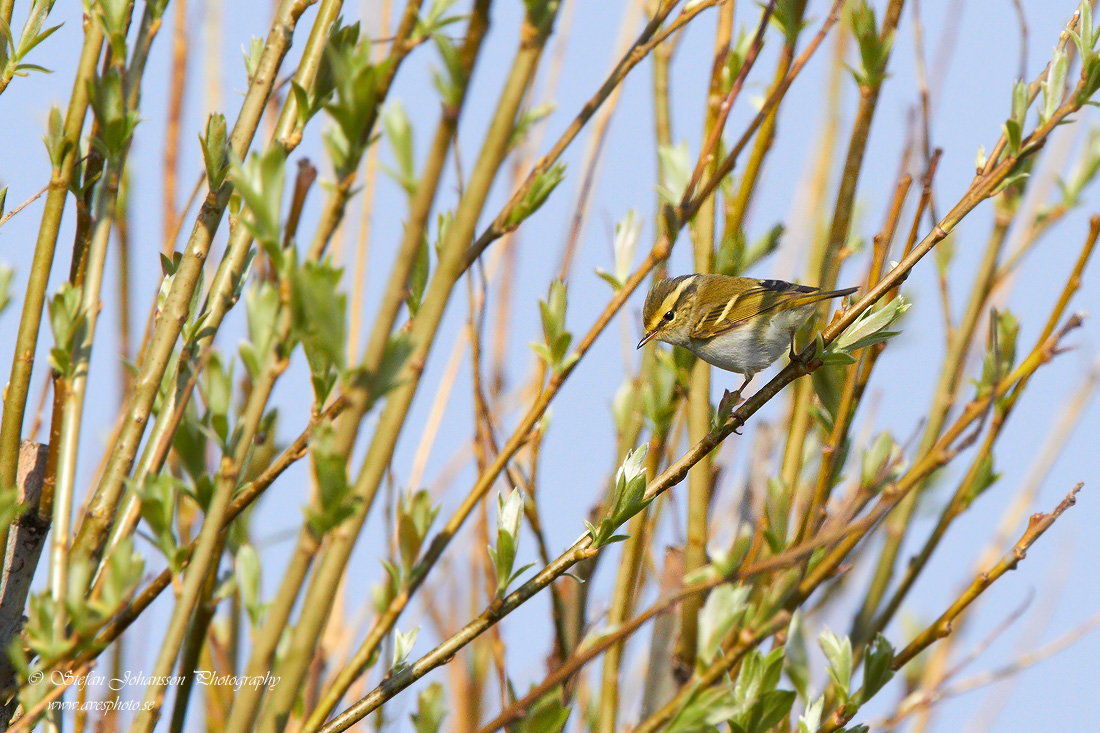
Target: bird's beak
point(646, 338)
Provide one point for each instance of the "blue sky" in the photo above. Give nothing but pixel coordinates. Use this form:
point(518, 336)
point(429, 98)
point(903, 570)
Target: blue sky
point(576, 458)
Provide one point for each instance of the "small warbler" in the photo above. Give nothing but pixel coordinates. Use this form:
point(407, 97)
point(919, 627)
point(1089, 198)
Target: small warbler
point(739, 324)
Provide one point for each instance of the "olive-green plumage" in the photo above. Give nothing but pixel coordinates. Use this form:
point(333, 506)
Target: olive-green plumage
point(740, 324)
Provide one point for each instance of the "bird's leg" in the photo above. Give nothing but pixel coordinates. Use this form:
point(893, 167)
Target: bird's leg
point(736, 395)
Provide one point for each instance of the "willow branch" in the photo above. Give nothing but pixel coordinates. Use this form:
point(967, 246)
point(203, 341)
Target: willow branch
point(942, 626)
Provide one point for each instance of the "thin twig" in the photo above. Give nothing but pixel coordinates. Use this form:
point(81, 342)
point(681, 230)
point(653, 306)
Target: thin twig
point(25, 204)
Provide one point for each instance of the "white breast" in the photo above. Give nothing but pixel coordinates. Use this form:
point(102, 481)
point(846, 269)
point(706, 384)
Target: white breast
point(750, 348)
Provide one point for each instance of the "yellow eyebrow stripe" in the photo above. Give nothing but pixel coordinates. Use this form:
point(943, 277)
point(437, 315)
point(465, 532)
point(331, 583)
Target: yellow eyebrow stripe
point(670, 301)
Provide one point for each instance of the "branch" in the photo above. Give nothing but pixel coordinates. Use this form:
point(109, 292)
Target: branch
point(1037, 525)
point(660, 250)
point(942, 626)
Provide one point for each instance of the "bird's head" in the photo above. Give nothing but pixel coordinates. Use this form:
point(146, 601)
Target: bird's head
point(666, 310)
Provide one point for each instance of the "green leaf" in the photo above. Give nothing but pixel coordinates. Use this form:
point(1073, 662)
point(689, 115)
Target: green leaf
point(216, 387)
point(114, 17)
point(202, 491)
point(31, 35)
point(22, 69)
point(659, 391)
point(319, 311)
point(735, 59)
point(382, 594)
point(398, 350)
point(158, 505)
point(984, 477)
point(622, 404)
point(1083, 172)
point(261, 305)
point(777, 504)
point(399, 133)
point(980, 159)
point(252, 56)
point(945, 253)
point(797, 658)
point(335, 502)
point(302, 101)
point(628, 497)
point(764, 246)
point(709, 707)
point(39, 632)
point(543, 185)
point(1001, 352)
point(869, 328)
point(627, 232)
point(450, 81)
point(528, 119)
point(787, 17)
point(774, 706)
point(190, 442)
point(57, 145)
point(723, 563)
point(215, 151)
point(10, 507)
point(1090, 81)
point(7, 273)
point(430, 709)
point(7, 45)
point(1014, 125)
point(246, 569)
point(809, 721)
point(260, 184)
point(723, 608)
point(509, 514)
point(1019, 102)
point(116, 121)
point(874, 52)
point(547, 715)
point(675, 172)
point(68, 321)
point(120, 578)
point(354, 81)
point(1014, 134)
point(838, 652)
point(1010, 181)
point(402, 646)
point(415, 515)
point(418, 278)
point(556, 338)
point(876, 666)
point(757, 678)
point(540, 13)
point(730, 256)
point(1087, 38)
point(880, 462)
point(1053, 87)
point(435, 19)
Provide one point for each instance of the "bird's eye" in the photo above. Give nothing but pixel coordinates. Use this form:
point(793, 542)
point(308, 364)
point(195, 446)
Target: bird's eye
point(668, 316)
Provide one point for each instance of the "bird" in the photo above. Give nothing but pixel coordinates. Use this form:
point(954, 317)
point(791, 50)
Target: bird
point(740, 324)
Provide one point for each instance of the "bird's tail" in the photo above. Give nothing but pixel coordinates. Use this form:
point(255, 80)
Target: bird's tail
point(818, 295)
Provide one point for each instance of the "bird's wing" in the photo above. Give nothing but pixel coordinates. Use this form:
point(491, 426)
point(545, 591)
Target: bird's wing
point(764, 296)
